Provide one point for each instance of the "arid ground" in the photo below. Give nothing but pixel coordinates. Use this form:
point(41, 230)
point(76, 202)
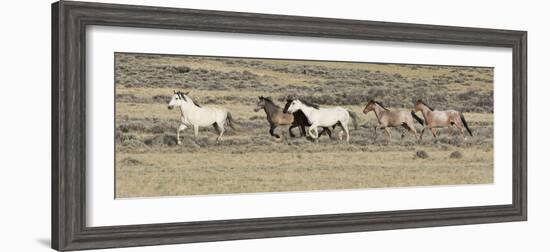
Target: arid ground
point(149, 163)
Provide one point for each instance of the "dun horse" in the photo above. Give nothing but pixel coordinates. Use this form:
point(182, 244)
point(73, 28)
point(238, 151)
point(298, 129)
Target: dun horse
point(323, 117)
point(440, 119)
point(193, 115)
point(390, 118)
point(276, 117)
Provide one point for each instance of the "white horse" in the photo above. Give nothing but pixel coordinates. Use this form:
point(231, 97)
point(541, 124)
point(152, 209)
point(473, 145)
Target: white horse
point(323, 117)
point(193, 115)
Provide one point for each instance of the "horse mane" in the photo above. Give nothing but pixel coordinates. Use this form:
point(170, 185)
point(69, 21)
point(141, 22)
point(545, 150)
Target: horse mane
point(268, 99)
point(380, 104)
point(182, 95)
point(315, 106)
point(421, 101)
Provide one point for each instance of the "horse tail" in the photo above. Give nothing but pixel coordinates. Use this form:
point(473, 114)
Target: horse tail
point(353, 116)
point(465, 124)
point(230, 121)
point(418, 119)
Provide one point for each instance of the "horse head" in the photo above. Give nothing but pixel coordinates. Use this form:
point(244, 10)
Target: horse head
point(261, 104)
point(293, 106)
point(369, 107)
point(178, 99)
point(288, 102)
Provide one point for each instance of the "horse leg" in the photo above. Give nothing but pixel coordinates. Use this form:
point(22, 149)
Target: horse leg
point(316, 130)
point(404, 131)
point(346, 130)
point(313, 133)
point(461, 128)
point(222, 130)
point(196, 128)
point(451, 132)
point(327, 130)
point(434, 132)
point(413, 130)
point(388, 132)
point(290, 130)
point(272, 131)
point(302, 130)
point(341, 133)
point(182, 127)
point(216, 128)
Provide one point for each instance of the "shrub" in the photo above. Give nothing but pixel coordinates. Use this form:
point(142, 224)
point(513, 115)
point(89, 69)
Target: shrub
point(161, 98)
point(132, 127)
point(129, 140)
point(421, 154)
point(181, 69)
point(131, 161)
point(169, 140)
point(122, 137)
point(456, 154)
point(157, 129)
point(125, 97)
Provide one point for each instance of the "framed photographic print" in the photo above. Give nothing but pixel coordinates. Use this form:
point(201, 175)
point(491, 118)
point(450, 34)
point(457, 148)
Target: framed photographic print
point(178, 125)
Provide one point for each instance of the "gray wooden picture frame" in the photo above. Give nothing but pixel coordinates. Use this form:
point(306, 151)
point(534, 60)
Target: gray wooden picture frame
point(69, 22)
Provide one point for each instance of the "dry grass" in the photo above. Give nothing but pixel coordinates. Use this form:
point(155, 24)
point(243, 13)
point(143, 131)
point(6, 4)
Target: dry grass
point(148, 163)
point(160, 174)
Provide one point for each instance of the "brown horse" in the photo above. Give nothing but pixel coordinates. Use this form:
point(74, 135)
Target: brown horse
point(392, 118)
point(276, 117)
point(440, 119)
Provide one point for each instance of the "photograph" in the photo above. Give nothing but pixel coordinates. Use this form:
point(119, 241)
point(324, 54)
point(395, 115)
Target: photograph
point(241, 126)
point(210, 125)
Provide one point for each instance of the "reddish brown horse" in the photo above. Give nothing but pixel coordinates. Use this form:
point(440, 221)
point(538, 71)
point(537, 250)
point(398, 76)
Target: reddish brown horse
point(440, 119)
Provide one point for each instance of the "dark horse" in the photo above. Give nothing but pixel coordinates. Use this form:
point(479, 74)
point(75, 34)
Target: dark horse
point(276, 117)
